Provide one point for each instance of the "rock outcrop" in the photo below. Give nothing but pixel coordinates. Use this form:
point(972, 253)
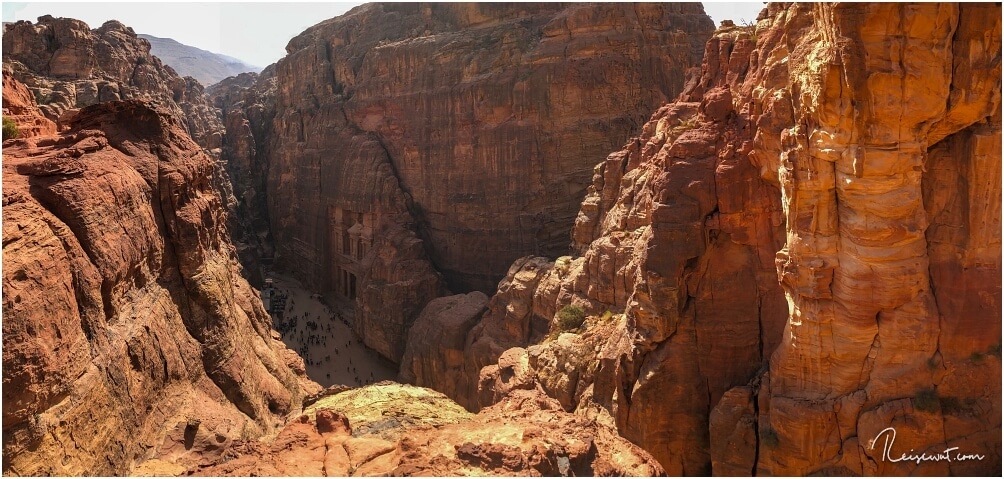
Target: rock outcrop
point(435, 347)
point(793, 269)
point(802, 250)
point(128, 332)
point(390, 429)
point(68, 66)
point(19, 106)
point(422, 147)
point(675, 287)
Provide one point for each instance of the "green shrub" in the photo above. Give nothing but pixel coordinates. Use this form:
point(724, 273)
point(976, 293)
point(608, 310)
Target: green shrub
point(570, 317)
point(926, 400)
point(768, 437)
point(976, 356)
point(750, 28)
point(10, 129)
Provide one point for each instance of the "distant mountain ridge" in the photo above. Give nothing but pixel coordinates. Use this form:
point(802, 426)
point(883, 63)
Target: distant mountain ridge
point(205, 66)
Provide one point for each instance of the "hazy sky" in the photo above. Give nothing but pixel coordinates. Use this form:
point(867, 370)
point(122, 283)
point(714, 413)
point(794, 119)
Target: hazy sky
point(255, 32)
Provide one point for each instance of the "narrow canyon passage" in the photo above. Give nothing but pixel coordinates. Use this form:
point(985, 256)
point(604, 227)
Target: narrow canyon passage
point(321, 335)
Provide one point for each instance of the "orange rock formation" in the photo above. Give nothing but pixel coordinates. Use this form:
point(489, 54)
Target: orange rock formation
point(128, 332)
point(802, 250)
point(390, 429)
point(19, 105)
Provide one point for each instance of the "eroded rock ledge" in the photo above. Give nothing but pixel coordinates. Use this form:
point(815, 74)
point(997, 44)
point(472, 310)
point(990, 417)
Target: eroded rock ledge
point(391, 429)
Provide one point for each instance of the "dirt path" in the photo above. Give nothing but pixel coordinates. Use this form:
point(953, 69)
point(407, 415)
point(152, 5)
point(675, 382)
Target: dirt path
point(332, 352)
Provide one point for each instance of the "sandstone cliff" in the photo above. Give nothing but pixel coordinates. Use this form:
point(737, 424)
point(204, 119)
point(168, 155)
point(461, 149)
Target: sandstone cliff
point(67, 66)
point(422, 147)
point(890, 178)
point(802, 250)
point(390, 429)
point(128, 332)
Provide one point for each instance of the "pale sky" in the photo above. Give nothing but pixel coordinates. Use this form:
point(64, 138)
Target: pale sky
point(255, 32)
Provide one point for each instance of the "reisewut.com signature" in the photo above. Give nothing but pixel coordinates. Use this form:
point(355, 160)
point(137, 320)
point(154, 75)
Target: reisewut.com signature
point(950, 454)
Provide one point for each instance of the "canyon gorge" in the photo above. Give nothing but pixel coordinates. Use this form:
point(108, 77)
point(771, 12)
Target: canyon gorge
point(592, 239)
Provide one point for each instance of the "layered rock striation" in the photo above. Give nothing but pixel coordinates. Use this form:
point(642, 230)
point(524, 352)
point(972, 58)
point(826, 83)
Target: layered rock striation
point(675, 286)
point(892, 265)
point(423, 147)
point(128, 331)
point(802, 250)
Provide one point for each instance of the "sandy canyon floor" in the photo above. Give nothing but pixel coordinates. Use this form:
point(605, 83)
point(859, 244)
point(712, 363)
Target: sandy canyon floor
point(332, 352)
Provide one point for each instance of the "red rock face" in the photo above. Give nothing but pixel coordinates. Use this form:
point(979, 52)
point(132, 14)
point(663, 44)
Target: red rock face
point(128, 331)
point(474, 126)
point(873, 340)
point(678, 234)
point(779, 210)
point(19, 105)
point(803, 250)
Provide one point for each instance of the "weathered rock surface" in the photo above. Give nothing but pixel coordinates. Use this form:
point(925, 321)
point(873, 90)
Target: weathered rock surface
point(68, 66)
point(472, 126)
point(390, 429)
point(800, 252)
point(866, 151)
point(19, 105)
point(894, 289)
point(128, 332)
point(437, 339)
point(678, 235)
